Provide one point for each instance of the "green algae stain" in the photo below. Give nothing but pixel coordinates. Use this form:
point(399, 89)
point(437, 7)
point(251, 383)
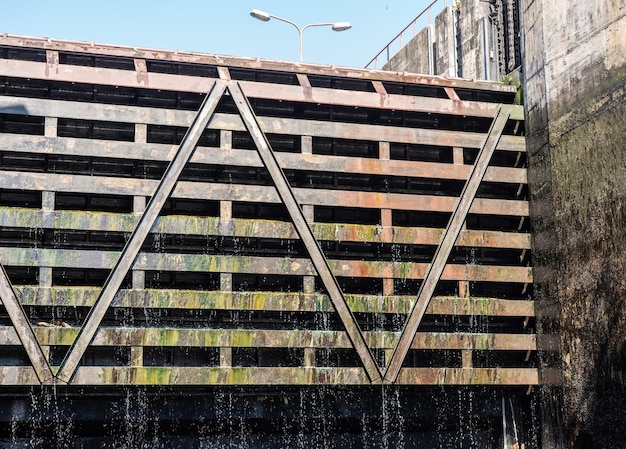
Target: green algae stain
point(589, 176)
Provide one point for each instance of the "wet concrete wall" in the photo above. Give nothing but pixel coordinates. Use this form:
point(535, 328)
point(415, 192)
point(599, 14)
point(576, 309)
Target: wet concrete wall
point(575, 87)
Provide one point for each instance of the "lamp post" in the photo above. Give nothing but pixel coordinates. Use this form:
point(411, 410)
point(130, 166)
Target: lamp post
point(265, 17)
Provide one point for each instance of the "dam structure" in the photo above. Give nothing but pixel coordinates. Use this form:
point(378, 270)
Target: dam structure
point(211, 251)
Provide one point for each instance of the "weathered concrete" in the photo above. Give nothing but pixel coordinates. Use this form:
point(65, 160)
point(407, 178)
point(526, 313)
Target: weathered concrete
point(445, 58)
point(472, 58)
point(416, 56)
point(575, 85)
point(462, 44)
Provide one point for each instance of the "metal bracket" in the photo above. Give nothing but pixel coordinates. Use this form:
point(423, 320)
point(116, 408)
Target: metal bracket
point(129, 253)
point(435, 269)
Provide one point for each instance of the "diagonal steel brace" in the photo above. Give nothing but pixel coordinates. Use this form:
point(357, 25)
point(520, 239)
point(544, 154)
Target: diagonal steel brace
point(145, 223)
point(306, 234)
point(459, 214)
point(22, 326)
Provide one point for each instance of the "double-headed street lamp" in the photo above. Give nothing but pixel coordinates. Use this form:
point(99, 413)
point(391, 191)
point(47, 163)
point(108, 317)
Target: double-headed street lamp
point(265, 17)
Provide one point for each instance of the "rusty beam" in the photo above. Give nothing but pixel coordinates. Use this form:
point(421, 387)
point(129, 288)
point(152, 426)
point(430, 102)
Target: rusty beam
point(436, 268)
point(16, 376)
point(276, 125)
point(264, 338)
point(145, 223)
point(23, 329)
point(119, 222)
point(87, 375)
point(239, 192)
point(161, 152)
point(19, 376)
point(468, 376)
point(93, 259)
point(285, 301)
point(306, 235)
point(251, 63)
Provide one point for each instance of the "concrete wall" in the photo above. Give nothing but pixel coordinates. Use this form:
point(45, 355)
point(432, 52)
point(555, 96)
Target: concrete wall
point(445, 43)
point(416, 56)
point(470, 17)
point(575, 88)
point(459, 37)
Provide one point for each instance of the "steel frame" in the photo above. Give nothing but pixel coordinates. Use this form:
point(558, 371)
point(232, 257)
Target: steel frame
point(145, 223)
point(450, 236)
point(127, 258)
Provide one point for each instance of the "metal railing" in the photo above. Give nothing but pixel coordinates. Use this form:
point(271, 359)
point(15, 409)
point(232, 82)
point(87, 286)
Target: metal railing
point(398, 38)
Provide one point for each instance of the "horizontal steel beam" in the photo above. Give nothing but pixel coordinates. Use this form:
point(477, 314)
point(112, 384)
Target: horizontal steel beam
point(250, 63)
point(89, 259)
point(18, 376)
point(274, 125)
point(262, 338)
point(246, 158)
point(14, 217)
point(267, 194)
point(468, 376)
point(21, 376)
point(272, 301)
point(298, 376)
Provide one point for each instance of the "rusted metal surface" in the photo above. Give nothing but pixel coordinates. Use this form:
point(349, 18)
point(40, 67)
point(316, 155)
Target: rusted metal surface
point(252, 63)
point(241, 192)
point(279, 301)
point(145, 223)
point(240, 338)
point(468, 376)
point(306, 235)
point(77, 74)
point(219, 376)
point(290, 126)
point(187, 225)
point(246, 158)
point(18, 375)
point(385, 259)
point(438, 264)
point(260, 265)
point(298, 376)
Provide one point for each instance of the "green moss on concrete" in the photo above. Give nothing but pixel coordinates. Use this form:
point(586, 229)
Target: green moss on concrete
point(589, 176)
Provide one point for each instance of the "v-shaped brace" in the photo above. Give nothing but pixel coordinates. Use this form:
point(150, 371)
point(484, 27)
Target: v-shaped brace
point(435, 269)
point(145, 223)
point(164, 190)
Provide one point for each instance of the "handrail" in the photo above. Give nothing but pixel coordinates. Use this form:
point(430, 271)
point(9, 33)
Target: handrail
point(374, 60)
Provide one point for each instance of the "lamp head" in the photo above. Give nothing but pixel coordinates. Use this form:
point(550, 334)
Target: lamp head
point(261, 15)
point(341, 26)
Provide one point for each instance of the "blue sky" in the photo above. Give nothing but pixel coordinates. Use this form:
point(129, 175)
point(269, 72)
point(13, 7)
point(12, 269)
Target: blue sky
point(221, 27)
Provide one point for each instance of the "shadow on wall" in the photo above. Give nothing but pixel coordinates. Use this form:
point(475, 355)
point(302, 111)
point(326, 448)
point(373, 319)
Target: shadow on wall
point(15, 109)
